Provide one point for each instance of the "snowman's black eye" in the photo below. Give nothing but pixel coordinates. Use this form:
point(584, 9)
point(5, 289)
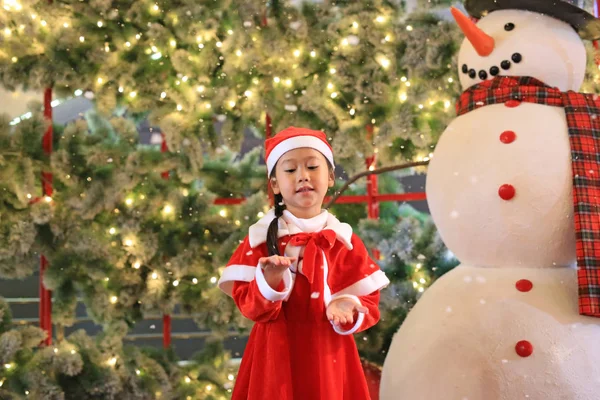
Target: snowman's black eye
point(509, 26)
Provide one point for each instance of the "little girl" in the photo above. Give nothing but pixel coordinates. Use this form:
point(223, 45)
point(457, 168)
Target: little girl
point(306, 280)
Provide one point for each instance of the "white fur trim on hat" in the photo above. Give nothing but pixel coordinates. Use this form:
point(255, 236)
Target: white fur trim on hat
point(297, 142)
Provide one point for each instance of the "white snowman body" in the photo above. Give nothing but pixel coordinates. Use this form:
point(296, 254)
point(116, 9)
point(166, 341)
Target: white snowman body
point(499, 188)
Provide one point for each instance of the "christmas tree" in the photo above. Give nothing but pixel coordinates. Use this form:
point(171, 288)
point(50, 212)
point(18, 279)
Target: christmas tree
point(133, 230)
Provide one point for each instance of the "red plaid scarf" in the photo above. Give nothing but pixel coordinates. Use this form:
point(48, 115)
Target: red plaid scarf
point(582, 111)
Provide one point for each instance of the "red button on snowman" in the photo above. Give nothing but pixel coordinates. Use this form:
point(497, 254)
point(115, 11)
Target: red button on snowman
point(511, 192)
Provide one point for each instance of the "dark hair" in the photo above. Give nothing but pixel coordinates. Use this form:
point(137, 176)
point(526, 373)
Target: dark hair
point(272, 246)
point(272, 242)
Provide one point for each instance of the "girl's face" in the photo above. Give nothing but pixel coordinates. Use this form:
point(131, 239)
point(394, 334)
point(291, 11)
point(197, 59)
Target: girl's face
point(302, 176)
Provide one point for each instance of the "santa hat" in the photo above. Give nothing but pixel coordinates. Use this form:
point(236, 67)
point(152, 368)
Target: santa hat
point(294, 138)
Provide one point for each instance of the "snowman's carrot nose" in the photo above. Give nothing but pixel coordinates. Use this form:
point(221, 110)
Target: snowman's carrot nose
point(481, 41)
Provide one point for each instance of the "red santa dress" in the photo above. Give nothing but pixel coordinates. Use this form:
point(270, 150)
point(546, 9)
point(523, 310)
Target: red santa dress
point(294, 352)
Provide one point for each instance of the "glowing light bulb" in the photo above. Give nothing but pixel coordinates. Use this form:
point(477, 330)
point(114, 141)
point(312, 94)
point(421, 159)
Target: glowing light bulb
point(113, 299)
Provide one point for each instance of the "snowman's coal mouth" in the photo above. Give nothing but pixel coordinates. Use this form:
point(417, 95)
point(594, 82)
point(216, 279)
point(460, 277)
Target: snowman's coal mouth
point(493, 70)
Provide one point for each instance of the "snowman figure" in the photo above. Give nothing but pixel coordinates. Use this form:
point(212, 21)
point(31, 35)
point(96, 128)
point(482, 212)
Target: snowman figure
point(514, 189)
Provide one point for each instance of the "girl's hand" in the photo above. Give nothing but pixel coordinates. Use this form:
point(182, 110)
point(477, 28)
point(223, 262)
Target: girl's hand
point(341, 311)
point(274, 267)
point(276, 263)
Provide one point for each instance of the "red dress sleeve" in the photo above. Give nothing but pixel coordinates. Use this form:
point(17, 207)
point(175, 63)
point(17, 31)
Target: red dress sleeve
point(243, 280)
point(356, 276)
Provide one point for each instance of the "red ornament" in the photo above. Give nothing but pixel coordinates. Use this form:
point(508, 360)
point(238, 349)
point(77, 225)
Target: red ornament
point(507, 137)
point(512, 103)
point(524, 285)
point(506, 191)
point(524, 348)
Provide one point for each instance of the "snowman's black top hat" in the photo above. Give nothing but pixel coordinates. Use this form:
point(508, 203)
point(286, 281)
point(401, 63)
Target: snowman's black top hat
point(583, 22)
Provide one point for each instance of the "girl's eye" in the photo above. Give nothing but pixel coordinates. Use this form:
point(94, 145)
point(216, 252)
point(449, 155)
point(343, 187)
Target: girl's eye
point(290, 170)
point(313, 167)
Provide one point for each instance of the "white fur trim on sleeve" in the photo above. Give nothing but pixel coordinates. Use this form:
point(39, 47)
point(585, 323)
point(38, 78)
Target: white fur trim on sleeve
point(267, 291)
point(232, 273)
point(359, 319)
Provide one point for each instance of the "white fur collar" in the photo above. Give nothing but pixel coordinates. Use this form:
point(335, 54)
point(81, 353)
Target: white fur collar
point(290, 225)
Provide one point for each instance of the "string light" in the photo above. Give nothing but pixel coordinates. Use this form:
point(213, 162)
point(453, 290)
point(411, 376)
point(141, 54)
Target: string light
point(450, 80)
point(173, 43)
point(352, 111)
point(7, 32)
point(383, 61)
point(213, 280)
point(113, 299)
point(48, 199)
point(421, 289)
point(132, 94)
point(154, 275)
point(73, 352)
point(200, 89)
point(127, 44)
point(168, 209)
point(230, 377)
point(195, 281)
point(447, 104)
point(128, 242)
point(380, 19)
point(344, 42)
point(288, 82)
point(112, 362)
point(248, 93)
point(14, 59)
point(138, 372)
point(313, 54)
point(129, 201)
point(223, 213)
point(112, 231)
point(179, 107)
point(100, 24)
point(163, 95)
point(219, 44)
point(137, 265)
point(355, 24)
point(187, 379)
point(66, 25)
point(238, 53)
point(55, 350)
point(332, 71)
point(8, 365)
point(260, 214)
point(185, 79)
point(175, 283)
point(231, 103)
point(334, 95)
point(297, 53)
point(409, 28)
